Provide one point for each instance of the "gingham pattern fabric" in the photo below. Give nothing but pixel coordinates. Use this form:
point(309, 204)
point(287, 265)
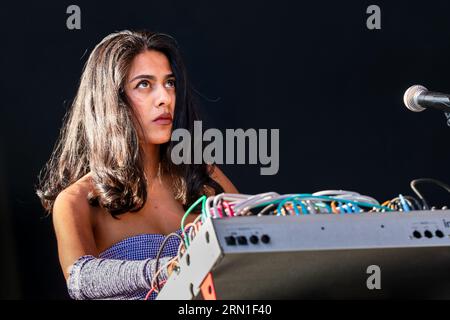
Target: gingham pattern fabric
point(141, 247)
point(135, 248)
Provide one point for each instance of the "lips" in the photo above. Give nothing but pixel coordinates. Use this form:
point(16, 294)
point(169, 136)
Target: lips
point(165, 118)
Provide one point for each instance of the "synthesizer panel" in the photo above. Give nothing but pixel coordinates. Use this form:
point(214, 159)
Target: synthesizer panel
point(317, 256)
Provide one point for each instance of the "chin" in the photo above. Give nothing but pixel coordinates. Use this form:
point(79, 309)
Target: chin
point(159, 140)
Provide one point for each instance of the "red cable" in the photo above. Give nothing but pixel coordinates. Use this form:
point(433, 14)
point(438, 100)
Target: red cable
point(227, 206)
point(153, 289)
point(220, 212)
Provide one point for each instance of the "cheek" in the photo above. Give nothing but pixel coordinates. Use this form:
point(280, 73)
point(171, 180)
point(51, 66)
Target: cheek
point(140, 107)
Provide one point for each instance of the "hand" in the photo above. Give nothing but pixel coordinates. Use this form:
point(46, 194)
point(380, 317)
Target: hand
point(171, 267)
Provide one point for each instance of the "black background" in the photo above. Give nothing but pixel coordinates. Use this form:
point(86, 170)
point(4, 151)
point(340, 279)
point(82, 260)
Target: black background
point(311, 69)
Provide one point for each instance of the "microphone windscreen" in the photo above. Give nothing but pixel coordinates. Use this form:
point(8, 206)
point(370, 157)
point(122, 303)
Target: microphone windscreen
point(410, 97)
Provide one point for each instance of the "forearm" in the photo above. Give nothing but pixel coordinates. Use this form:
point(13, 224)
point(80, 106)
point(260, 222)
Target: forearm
point(96, 278)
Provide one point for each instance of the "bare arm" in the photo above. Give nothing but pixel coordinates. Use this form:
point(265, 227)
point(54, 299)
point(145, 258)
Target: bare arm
point(73, 223)
point(89, 277)
point(222, 179)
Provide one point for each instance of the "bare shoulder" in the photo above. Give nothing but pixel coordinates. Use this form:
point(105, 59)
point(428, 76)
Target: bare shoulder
point(74, 223)
point(222, 179)
point(74, 198)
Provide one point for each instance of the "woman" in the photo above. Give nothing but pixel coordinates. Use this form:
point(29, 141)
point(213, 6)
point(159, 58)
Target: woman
point(110, 184)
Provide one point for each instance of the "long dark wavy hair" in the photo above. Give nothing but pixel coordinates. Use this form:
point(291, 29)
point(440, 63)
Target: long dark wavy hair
point(100, 135)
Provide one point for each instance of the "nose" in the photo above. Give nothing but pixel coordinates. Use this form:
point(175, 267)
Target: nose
point(163, 97)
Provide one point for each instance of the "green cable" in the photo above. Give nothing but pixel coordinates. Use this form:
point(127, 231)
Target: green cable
point(324, 205)
point(300, 196)
point(204, 213)
point(202, 198)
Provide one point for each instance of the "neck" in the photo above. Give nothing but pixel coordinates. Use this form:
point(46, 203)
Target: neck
point(151, 161)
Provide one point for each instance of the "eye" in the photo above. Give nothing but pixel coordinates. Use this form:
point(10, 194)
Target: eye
point(170, 83)
point(143, 84)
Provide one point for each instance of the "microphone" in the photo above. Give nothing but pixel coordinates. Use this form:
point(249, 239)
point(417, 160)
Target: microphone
point(417, 98)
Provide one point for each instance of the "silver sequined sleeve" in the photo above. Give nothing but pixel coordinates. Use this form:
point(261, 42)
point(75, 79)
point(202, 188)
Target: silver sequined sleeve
point(97, 278)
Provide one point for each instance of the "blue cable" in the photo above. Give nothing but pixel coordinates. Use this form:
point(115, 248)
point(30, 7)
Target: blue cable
point(325, 205)
point(326, 198)
point(297, 213)
point(341, 209)
point(404, 204)
point(304, 208)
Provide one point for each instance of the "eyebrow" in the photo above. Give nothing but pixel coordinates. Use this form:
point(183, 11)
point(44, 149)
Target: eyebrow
point(151, 77)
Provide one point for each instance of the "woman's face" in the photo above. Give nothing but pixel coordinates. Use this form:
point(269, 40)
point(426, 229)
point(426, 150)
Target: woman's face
point(150, 88)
